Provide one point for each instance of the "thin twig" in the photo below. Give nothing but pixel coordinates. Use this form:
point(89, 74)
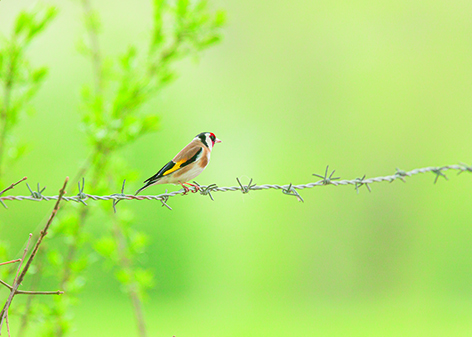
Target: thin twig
point(8, 262)
point(29, 292)
point(9, 188)
point(45, 230)
point(138, 311)
point(73, 247)
point(35, 280)
point(125, 263)
point(13, 185)
point(6, 285)
point(14, 288)
point(19, 278)
point(98, 154)
point(8, 326)
point(7, 93)
point(94, 47)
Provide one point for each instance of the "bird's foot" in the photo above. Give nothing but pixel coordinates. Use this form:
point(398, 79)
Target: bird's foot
point(196, 188)
point(186, 189)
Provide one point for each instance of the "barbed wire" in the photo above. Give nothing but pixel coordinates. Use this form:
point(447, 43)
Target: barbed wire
point(290, 189)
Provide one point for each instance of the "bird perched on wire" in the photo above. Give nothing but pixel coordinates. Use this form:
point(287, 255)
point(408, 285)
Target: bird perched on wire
point(187, 164)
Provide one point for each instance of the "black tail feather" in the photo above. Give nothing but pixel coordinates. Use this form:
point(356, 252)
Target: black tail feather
point(146, 185)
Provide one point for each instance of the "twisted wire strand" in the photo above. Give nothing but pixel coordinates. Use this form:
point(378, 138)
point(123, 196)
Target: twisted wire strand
point(287, 189)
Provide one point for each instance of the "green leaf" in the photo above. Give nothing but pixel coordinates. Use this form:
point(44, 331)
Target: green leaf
point(76, 284)
point(39, 74)
point(209, 41)
point(151, 123)
point(129, 58)
point(82, 48)
point(123, 277)
point(106, 246)
point(39, 24)
point(138, 241)
point(92, 21)
point(16, 151)
point(157, 34)
point(182, 7)
point(29, 24)
point(79, 265)
point(67, 225)
point(220, 19)
point(23, 20)
point(144, 277)
point(3, 250)
point(54, 258)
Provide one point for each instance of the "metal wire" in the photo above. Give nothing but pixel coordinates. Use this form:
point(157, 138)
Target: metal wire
point(207, 190)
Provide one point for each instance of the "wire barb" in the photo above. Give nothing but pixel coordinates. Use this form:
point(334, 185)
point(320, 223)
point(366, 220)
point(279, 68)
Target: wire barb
point(358, 182)
point(120, 196)
point(206, 190)
point(163, 200)
point(464, 168)
point(291, 191)
point(400, 174)
point(438, 172)
point(36, 194)
point(327, 180)
point(81, 196)
point(246, 188)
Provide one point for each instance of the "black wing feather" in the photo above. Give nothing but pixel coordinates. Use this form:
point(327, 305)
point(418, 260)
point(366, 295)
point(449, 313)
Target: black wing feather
point(161, 172)
point(194, 158)
point(158, 175)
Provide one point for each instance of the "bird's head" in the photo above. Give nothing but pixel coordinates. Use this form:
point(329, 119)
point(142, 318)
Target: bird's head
point(208, 139)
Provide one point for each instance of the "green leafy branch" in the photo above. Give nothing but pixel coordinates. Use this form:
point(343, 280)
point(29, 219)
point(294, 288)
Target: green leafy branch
point(19, 81)
point(112, 117)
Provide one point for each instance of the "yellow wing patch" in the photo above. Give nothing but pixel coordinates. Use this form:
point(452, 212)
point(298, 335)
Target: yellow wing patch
point(184, 161)
point(174, 168)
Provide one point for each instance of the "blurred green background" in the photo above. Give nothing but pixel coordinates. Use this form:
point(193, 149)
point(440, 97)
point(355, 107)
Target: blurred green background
point(294, 86)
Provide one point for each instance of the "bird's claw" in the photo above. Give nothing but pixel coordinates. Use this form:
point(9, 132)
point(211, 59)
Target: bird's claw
point(195, 189)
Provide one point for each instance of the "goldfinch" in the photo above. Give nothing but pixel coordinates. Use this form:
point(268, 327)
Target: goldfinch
point(187, 164)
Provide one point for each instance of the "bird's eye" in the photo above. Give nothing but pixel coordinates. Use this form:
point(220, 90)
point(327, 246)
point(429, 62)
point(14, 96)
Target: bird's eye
point(212, 137)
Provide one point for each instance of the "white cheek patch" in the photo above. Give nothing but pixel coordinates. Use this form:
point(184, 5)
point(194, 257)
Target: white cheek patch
point(209, 142)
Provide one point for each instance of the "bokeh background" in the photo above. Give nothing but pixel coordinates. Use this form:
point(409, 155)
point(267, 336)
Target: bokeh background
point(362, 86)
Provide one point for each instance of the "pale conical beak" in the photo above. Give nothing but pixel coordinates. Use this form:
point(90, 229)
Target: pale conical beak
point(217, 140)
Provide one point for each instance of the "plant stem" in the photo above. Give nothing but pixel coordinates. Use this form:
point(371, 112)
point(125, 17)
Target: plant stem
point(125, 264)
point(5, 111)
point(19, 279)
point(12, 185)
point(94, 47)
point(98, 163)
point(98, 151)
point(34, 283)
point(14, 288)
point(8, 262)
point(138, 311)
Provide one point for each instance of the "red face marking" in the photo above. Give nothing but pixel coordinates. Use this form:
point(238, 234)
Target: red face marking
point(213, 138)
